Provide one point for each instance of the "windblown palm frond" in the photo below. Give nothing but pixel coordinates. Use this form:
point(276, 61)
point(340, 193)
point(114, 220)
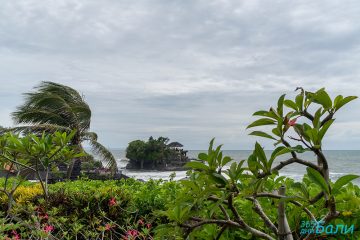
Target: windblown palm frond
point(36, 116)
point(89, 136)
point(37, 128)
point(53, 106)
point(105, 154)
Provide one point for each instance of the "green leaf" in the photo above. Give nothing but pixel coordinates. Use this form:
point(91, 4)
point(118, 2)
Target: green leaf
point(261, 154)
point(345, 101)
point(261, 113)
point(316, 121)
point(239, 166)
point(203, 156)
point(324, 128)
point(226, 160)
point(262, 134)
point(290, 104)
point(279, 151)
point(261, 122)
point(337, 100)
point(253, 164)
point(219, 178)
point(281, 105)
point(299, 101)
point(276, 132)
point(211, 146)
point(342, 181)
point(323, 98)
point(318, 179)
point(273, 114)
point(232, 171)
point(258, 185)
point(197, 165)
point(309, 98)
point(274, 154)
point(299, 149)
point(313, 135)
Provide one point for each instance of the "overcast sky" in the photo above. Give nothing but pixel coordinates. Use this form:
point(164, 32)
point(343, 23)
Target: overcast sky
point(189, 70)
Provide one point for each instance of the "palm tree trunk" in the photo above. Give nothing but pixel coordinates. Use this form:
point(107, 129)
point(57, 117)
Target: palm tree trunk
point(70, 168)
point(75, 165)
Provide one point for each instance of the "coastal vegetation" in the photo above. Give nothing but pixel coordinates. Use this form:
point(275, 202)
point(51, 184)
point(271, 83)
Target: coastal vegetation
point(253, 201)
point(221, 198)
point(130, 209)
point(33, 155)
point(86, 209)
point(155, 154)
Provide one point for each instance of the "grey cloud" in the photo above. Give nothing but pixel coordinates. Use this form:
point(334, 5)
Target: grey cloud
point(185, 69)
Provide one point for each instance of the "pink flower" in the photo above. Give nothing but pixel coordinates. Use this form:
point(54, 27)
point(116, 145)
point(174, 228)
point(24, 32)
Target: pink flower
point(112, 201)
point(141, 222)
point(292, 122)
point(44, 216)
point(16, 236)
point(108, 227)
point(132, 232)
point(48, 228)
point(148, 225)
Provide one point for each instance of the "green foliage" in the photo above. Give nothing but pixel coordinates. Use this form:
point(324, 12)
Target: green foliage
point(316, 177)
point(223, 199)
point(342, 181)
point(35, 154)
point(88, 209)
point(299, 108)
point(136, 151)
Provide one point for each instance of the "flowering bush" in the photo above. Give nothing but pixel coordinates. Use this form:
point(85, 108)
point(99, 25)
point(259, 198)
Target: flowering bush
point(88, 209)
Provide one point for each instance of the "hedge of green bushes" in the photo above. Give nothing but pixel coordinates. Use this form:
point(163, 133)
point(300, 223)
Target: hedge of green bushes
point(130, 209)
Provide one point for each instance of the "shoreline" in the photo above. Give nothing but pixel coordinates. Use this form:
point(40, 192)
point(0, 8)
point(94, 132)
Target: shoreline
point(165, 175)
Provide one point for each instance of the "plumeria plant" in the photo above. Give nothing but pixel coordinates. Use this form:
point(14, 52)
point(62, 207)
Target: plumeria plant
point(33, 154)
point(224, 199)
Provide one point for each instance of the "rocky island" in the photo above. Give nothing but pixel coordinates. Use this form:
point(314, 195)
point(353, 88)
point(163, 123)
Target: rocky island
point(156, 154)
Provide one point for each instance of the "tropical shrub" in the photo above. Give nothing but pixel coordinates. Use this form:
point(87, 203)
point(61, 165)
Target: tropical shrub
point(33, 154)
point(88, 209)
point(223, 199)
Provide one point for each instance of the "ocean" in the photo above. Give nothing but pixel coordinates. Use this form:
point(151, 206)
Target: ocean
point(341, 162)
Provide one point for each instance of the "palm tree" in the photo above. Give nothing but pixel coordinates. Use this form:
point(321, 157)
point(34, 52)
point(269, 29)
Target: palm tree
point(53, 106)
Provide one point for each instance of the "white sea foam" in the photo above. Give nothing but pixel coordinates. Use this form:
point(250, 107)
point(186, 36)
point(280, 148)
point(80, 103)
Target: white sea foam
point(340, 162)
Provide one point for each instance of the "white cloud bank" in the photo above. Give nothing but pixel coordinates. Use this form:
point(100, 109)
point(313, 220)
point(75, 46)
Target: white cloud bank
point(189, 70)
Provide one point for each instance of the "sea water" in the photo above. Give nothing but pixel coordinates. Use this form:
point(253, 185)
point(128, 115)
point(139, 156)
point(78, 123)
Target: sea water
point(341, 162)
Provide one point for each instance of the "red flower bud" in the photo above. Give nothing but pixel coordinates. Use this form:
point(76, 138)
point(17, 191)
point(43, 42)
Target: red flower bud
point(48, 228)
point(108, 227)
point(112, 201)
point(292, 122)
